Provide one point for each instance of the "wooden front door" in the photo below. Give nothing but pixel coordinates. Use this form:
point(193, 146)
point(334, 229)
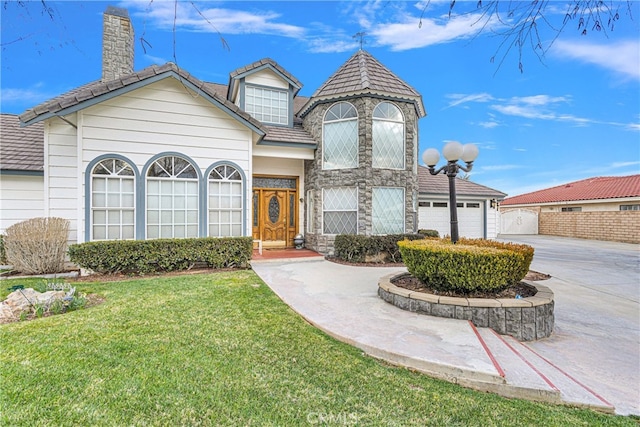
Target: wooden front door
point(275, 214)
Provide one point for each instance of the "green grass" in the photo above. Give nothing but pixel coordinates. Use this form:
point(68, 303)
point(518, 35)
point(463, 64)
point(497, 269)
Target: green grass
point(222, 349)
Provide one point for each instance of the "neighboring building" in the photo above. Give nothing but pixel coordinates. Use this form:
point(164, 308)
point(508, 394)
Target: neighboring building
point(477, 206)
point(158, 153)
point(21, 171)
point(601, 208)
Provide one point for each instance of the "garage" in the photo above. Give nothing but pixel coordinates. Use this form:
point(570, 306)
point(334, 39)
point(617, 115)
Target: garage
point(435, 216)
point(477, 206)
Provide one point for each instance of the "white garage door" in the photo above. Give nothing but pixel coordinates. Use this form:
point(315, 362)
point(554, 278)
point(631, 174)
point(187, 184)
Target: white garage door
point(519, 221)
point(435, 216)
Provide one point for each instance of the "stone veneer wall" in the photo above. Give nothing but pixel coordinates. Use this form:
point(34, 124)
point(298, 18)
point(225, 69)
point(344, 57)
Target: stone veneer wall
point(364, 177)
point(615, 226)
point(525, 319)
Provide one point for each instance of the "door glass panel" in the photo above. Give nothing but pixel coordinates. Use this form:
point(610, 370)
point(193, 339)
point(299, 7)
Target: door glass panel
point(274, 209)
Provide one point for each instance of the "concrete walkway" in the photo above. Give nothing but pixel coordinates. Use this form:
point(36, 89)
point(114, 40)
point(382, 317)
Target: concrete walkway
point(342, 301)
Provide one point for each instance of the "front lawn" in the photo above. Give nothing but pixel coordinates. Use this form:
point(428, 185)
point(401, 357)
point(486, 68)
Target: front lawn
point(222, 349)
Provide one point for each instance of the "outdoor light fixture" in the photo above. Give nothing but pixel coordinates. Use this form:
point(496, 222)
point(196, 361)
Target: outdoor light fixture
point(452, 151)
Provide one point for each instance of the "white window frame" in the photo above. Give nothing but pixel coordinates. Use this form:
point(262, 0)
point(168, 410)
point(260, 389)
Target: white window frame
point(352, 209)
point(173, 178)
point(376, 158)
point(114, 175)
point(376, 229)
point(226, 176)
point(258, 102)
point(340, 111)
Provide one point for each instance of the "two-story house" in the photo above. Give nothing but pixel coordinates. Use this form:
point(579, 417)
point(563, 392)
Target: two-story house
point(160, 154)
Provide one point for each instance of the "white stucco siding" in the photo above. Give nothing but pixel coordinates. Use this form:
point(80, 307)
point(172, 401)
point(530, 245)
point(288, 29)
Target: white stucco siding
point(267, 77)
point(22, 199)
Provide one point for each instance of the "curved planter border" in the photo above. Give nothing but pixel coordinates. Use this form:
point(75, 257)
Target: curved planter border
point(525, 319)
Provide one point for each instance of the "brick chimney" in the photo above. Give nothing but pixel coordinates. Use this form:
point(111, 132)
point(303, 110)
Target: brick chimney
point(117, 44)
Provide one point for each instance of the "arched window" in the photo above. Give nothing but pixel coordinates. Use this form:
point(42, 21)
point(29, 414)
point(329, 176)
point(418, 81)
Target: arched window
point(340, 137)
point(226, 200)
point(112, 200)
point(388, 137)
point(172, 198)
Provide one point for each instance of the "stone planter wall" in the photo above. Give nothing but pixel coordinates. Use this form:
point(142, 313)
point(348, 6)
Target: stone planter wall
point(525, 319)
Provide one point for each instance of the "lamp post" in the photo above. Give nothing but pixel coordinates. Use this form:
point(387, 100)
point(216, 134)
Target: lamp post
point(452, 151)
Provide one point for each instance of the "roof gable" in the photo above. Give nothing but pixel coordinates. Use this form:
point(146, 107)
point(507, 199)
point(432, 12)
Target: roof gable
point(96, 92)
point(362, 74)
point(598, 188)
point(263, 64)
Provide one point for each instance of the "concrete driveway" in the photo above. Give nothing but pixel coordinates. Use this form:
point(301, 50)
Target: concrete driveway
point(597, 313)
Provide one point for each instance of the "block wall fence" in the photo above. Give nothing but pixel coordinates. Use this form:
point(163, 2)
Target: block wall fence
point(616, 226)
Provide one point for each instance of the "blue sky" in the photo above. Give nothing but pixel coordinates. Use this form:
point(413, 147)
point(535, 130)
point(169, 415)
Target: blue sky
point(573, 115)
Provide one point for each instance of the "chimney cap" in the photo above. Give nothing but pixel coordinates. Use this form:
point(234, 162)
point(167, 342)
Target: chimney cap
point(117, 11)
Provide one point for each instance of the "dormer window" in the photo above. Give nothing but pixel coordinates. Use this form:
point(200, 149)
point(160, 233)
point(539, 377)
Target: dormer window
point(267, 105)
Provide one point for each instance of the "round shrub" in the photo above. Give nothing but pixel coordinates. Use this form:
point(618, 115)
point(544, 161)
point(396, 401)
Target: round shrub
point(37, 245)
point(463, 268)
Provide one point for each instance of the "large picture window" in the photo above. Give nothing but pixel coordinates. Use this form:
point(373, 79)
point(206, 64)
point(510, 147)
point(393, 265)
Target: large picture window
point(387, 211)
point(172, 199)
point(340, 137)
point(225, 201)
point(340, 210)
point(267, 105)
point(388, 137)
point(112, 200)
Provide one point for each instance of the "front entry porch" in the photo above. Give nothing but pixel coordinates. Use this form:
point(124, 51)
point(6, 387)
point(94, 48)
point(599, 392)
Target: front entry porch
point(275, 211)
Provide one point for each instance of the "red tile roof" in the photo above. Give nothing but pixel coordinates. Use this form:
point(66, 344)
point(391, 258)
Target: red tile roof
point(603, 187)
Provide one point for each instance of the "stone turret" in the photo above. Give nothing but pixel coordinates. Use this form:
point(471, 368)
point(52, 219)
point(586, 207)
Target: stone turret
point(117, 44)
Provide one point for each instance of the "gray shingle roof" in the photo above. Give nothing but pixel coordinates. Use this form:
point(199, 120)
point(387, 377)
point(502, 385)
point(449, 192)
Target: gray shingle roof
point(74, 98)
point(21, 149)
point(439, 184)
point(363, 74)
point(287, 135)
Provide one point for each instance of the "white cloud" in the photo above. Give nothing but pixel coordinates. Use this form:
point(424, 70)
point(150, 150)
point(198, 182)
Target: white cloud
point(489, 124)
point(623, 57)
point(185, 16)
point(459, 98)
point(412, 32)
point(31, 95)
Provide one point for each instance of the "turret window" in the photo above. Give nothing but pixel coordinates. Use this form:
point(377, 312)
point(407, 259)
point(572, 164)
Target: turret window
point(388, 137)
point(340, 137)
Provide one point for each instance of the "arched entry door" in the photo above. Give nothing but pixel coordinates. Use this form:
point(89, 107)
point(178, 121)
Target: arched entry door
point(275, 211)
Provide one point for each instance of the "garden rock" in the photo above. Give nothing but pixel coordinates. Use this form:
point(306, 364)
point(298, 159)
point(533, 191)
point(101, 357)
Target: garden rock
point(23, 300)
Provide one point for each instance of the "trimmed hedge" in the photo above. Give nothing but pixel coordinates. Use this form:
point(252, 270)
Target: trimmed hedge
point(355, 247)
point(468, 266)
point(161, 255)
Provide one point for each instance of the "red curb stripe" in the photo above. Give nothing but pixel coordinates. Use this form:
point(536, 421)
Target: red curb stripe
point(526, 361)
point(486, 349)
point(602, 399)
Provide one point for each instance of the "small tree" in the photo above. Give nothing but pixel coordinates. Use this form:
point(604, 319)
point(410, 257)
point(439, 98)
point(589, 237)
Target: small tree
point(37, 245)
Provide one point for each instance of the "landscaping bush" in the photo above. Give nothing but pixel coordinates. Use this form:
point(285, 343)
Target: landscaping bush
point(429, 233)
point(464, 268)
point(37, 245)
point(161, 255)
point(526, 251)
point(355, 248)
point(3, 255)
